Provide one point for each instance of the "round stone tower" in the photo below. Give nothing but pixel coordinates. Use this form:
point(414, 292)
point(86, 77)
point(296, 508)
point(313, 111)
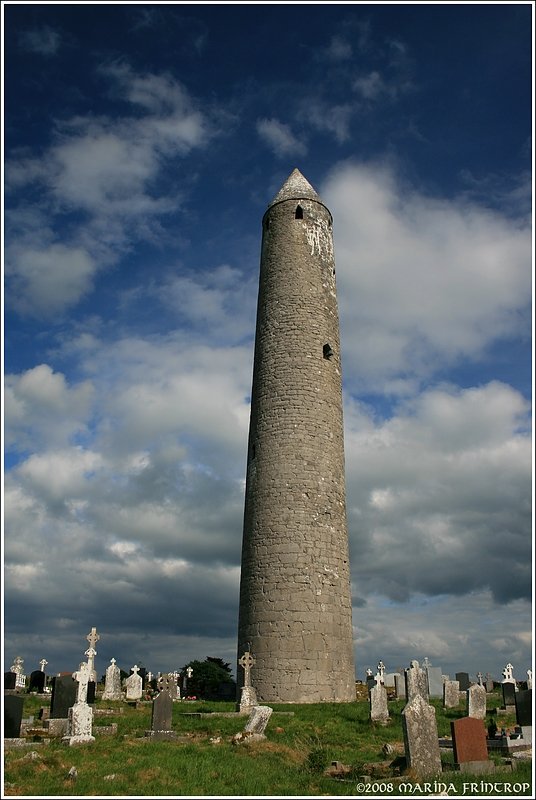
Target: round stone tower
point(295, 600)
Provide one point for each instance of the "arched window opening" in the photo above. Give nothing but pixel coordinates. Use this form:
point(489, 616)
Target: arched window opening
point(327, 351)
point(299, 213)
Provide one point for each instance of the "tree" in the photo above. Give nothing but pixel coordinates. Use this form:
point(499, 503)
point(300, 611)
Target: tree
point(207, 678)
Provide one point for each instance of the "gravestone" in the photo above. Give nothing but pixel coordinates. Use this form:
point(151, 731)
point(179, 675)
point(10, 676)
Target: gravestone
point(248, 695)
point(133, 685)
point(421, 743)
point(469, 744)
point(378, 704)
point(92, 637)
point(529, 679)
point(371, 682)
point(416, 682)
point(463, 680)
point(112, 682)
point(10, 680)
point(451, 694)
point(162, 709)
point(64, 691)
point(488, 683)
point(91, 692)
point(255, 726)
point(523, 701)
point(400, 686)
point(79, 729)
point(476, 702)
point(508, 674)
point(435, 681)
point(509, 694)
point(18, 668)
point(13, 705)
point(37, 681)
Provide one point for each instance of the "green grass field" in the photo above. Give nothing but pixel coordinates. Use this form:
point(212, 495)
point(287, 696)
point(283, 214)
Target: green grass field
point(290, 762)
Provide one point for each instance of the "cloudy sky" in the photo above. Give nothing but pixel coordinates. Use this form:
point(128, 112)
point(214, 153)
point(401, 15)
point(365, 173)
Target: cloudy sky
point(142, 145)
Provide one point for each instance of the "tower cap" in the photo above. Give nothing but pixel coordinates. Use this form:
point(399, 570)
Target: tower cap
point(296, 187)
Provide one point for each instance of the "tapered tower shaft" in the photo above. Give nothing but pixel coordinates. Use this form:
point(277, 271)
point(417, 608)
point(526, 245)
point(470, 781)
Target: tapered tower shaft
point(295, 599)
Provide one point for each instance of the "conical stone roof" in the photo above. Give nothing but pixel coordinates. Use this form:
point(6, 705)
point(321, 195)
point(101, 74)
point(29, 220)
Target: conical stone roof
point(296, 187)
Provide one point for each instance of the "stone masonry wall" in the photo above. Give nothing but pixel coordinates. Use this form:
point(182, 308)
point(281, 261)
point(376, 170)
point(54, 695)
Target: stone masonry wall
point(295, 600)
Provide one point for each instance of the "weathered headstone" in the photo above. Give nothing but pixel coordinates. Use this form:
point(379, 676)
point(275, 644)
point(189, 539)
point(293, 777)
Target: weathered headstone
point(92, 637)
point(451, 694)
point(133, 685)
point(400, 686)
point(523, 702)
point(463, 680)
point(416, 682)
point(18, 668)
point(255, 726)
point(13, 705)
point(435, 681)
point(529, 679)
point(79, 730)
point(488, 683)
point(476, 701)
point(378, 704)
point(37, 681)
point(421, 741)
point(248, 695)
point(112, 682)
point(64, 691)
point(509, 694)
point(469, 744)
point(162, 709)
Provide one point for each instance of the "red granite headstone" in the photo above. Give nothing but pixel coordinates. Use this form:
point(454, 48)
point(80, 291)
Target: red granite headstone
point(469, 740)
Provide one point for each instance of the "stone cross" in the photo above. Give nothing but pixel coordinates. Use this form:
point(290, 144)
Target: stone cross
point(480, 678)
point(91, 653)
point(167, 682)
point(508, 673)
point(189, 671)
point(83, 678)
point(149, 676)
point(17, 665)
point(43, 664)
point(135, 669)
point(369, 673)
point(247, 661)
point(426, 663)
point(93, 637)
point(529, 679)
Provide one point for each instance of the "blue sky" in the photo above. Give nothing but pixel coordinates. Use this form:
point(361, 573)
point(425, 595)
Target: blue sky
point(142, 146)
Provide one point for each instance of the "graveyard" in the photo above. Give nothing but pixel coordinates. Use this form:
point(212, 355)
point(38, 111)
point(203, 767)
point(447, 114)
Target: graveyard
point(328, 749)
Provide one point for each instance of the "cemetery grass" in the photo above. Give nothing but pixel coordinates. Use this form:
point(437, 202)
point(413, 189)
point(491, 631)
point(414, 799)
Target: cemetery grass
point(290, 762)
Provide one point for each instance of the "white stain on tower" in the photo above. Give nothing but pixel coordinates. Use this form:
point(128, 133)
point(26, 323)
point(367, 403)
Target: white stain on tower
point(295, 599)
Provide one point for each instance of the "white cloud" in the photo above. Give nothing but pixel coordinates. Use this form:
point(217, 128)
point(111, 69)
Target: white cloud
point(439, 495)
point(280, 138)
point(327, 118)
point(420, 278)
point(48, 280)
point(45, 41)
point(105, 169)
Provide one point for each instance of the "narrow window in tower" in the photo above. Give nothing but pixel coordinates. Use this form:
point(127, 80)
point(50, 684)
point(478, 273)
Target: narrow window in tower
point(299, 213)
point(252, 452)
point(327, 351)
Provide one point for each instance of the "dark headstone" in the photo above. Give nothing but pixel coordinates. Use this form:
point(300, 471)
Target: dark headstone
point(91, 689)
point(10, 679)
point(162, 712)
point(371, 682)
point(463, 680)
point(509, 694)
point(37, 681)
point(469, 740)
point(523, 701)
point(64, 689)
point(12, 715)
point(142, 672)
